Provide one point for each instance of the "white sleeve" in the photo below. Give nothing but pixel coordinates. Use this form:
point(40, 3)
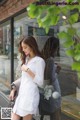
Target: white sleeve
point(17, 83)
point(39, 76)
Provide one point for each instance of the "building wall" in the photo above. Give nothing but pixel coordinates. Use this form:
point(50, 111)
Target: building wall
point(13, 6)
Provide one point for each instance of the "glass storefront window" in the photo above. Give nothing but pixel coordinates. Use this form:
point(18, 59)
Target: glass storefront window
point(5, 61)
point(23, 25)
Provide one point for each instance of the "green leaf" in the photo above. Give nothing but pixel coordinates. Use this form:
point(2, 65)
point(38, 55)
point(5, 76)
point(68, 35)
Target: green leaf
point(76, 6)
point(67, 38)
point(70, 52)
point(68, 43)
point(32, 11)
point(71, 31)
point(76, 66)
point(62, 35)
point(69, 1)
point(46, 21)
point(31, 7)
point(73, 18)
point(54, 20)
point(47, 29)
point(53, 10)
point(64, 10)
point(45, 18)
point(77, 48)
point(78, 1)
point(77, 57)
point(39, 22)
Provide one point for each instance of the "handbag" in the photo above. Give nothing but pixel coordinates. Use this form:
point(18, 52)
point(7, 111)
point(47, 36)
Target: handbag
point(45, 106)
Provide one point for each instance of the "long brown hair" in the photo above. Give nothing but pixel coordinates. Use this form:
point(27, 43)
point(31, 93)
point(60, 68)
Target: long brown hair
point(50, 47)
point(31, 42)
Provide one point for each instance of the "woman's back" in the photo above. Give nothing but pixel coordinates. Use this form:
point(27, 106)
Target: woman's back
point(51, 78)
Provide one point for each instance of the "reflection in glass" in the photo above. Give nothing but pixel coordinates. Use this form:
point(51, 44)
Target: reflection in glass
point(5, 52)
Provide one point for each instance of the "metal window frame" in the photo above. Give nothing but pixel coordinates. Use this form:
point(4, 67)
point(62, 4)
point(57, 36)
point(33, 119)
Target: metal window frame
point(11, 19)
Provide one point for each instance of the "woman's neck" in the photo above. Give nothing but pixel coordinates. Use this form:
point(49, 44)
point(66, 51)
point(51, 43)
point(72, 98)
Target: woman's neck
point(31, 56)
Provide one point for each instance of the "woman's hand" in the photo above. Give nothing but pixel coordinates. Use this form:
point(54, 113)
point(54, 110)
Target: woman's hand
point(12, 94)
point(23, 67)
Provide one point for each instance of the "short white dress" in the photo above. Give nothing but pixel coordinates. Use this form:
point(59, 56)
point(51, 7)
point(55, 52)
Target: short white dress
point(27, 100)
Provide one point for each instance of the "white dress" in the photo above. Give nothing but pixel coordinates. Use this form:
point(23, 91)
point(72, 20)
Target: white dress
point(28, 97)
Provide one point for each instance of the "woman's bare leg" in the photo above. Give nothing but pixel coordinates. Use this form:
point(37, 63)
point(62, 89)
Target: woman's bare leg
point(15, 116)
point(28, 117)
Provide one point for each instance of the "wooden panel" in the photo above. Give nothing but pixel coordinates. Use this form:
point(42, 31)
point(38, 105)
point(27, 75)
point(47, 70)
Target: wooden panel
point(71, 106)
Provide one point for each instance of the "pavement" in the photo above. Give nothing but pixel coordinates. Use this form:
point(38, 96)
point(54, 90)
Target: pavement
point(4, 102)
point(5, 70)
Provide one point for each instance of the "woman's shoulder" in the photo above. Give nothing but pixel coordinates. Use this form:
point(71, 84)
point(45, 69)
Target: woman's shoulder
point(38, 58)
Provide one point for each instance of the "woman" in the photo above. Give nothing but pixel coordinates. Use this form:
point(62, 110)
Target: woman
point(33, 65)
point(49, 51)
